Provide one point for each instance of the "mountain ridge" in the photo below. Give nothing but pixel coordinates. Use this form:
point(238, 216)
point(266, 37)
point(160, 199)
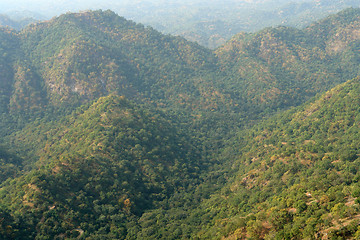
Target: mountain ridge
point(92, 54)
point(111, 155)
point(241, 142)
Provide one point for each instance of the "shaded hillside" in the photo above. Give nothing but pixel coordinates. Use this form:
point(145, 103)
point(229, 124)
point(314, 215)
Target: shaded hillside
point(8, 45)
point(297, 173)
point(10, 164)
point(86, 55)
point(100, 169)
point(293, 176)
point(78, 57)
point(20, 86)
point(82, 162)
point(282, 67)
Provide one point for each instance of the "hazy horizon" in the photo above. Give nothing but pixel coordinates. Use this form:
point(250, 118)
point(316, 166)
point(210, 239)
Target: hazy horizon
point(210, 23)
point(53, 8)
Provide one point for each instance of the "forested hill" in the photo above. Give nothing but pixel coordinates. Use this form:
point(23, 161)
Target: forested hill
point(82, 56)
point(297, 173)
point(78, 57)
point(293, 176)
point(280, 67)
point(112, 130)
point(98, 168)
point(8, 46)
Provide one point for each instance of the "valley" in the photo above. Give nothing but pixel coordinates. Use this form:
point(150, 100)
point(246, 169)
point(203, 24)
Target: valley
point(113, 130)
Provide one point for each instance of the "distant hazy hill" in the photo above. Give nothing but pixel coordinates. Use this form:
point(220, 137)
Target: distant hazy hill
point(87, 55)
point(78, 57)
point(212, 23)
point(16, 20)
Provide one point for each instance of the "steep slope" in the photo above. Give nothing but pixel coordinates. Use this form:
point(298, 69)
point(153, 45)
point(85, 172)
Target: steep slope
point(99, 170)
point(21, 89)
point(296, 174)
point(8, 45)
point(293, 176)
point(86, 55)
point(282, 67)
point(10, 164)
point(17, 23)
point(5, 21)
point(78, 57)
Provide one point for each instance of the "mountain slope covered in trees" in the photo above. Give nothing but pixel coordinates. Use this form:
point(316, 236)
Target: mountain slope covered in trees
point(292, 176)
point(282, 66)
point(131, 59)
point(76, 58)
point(297, 172)
point(210, 23)
point(98, 170)
point(112, 130)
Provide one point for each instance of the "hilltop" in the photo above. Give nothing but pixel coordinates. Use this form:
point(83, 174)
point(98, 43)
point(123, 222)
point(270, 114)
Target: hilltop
point(105, 164)
point(110, 129)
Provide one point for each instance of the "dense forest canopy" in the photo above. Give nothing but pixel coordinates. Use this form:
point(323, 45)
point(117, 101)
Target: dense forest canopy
point(113, 130)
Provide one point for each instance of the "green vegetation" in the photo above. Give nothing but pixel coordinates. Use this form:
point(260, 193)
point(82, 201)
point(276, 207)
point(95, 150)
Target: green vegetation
point(8, 45)
point(293, 176)
point(297, 173)
point(111, 130)
point(212, 23)
point(101, 166)
point(282, 67)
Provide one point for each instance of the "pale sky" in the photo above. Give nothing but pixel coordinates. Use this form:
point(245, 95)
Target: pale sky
point(51, 8)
